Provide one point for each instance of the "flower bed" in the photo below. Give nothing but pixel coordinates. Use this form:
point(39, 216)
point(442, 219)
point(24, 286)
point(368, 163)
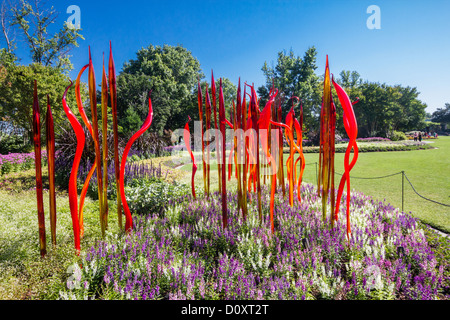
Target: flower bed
point(184, 253)
point(370, 139)
point(14, 162)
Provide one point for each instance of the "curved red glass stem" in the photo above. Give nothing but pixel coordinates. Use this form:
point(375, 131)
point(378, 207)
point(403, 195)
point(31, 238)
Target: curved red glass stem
point(245, 153)
point(104, 108)
point(94, 166)
point(351, 128)
point(295, 125)
point(290, 160)
point(83, 197)
point(299, 131)
point(255, 113)
point(73, 195)
point(200, 115)
point(187, 142)
point(145, 126)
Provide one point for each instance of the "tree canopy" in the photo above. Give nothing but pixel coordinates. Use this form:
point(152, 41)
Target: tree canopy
point(295, 76)
point(442, 115)
point(16, 93)
point(31, 21)
point(382, 109)
point(171, 72)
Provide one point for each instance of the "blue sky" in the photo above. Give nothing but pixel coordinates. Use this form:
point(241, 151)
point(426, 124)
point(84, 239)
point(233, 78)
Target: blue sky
point(234, 38)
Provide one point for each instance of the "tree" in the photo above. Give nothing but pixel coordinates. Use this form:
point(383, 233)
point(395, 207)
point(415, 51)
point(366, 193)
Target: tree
point(50, 64)
point(32, 22)
point(383, 109)
point(371, 110)
point(442, 115)
point(350, 79)
point(5, 20)
point(295, 76)
point(16, 93)
point(412, 114)
point(171, 73)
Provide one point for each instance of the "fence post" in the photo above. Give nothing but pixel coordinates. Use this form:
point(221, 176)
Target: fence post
point(403, 190)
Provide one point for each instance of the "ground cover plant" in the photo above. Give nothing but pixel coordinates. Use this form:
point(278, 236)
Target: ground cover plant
point(184, 253)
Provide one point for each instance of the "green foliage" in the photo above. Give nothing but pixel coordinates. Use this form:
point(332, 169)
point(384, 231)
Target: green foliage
point(382, 108)
point(50, 64)
point(295, 76)
point(23, 274)
point(13, 144)
point(16, 95)
point(146, 196)
point(171, 73)
point(33, 21)
point(398, 136)
point(442, 115)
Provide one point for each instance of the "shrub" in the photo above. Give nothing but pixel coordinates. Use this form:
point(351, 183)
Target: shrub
point(14, 144)
point(133, 170)
point(398, 136)
point(146, 196)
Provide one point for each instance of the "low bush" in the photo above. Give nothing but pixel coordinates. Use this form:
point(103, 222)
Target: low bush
point(398, 136)
point(14, 144)
point(147, 196)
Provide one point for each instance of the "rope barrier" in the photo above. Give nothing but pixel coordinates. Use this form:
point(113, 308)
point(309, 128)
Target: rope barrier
point(365, 178)
point(442, 204)
point(391, 175)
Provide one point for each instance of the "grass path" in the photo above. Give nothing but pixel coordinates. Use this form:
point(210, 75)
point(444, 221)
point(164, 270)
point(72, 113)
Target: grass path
point(428, 171)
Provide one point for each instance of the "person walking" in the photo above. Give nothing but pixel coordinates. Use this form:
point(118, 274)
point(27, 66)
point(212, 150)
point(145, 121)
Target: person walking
point(420, 136)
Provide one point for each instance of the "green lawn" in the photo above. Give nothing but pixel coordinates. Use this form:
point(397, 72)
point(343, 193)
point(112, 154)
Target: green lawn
point(428, 171)
point(23, 275)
